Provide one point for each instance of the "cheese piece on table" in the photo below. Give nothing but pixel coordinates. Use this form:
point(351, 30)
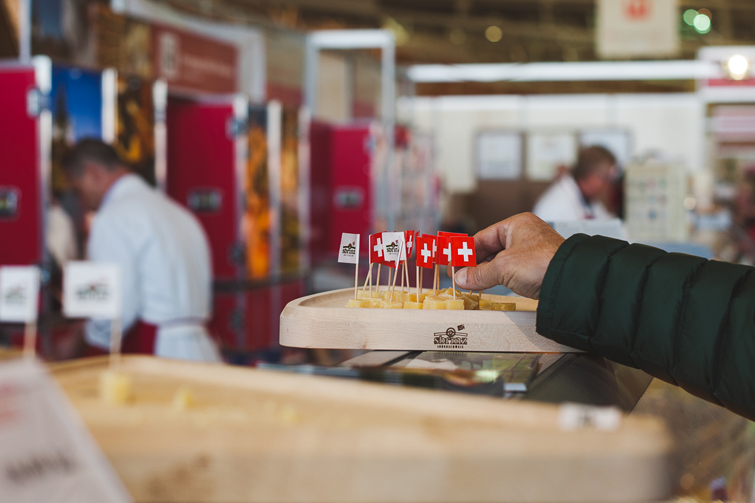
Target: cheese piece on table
point(412, 305)
point(470, 303)
point(356, 303)
point(392, 305)
point(363, 294)
point(456, 305)
point(423, 296)
point(485, 303)
point(503, 306)
point(115, 387)
point(434, 302)
point(183, 399)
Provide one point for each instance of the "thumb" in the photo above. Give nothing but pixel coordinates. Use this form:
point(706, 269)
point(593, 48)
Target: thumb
point(482, 277)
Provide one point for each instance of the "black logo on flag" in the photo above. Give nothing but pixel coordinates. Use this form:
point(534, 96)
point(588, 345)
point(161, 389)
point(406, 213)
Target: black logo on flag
point(93, 291)
point(349, 249)
point(15, 295)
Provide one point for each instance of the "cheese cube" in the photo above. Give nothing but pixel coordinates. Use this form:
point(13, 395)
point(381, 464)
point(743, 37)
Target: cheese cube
point(392, 305)
point(183, 399)
point(115, 387)
point(456, 305)
point(412, 305)
point(503, 306)
point(434, 302)
point(485, 303)
point(423, 296)
point(356, 303)
point(470, 304)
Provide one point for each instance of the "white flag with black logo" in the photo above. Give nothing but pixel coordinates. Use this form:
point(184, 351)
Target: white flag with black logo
point(348, 253)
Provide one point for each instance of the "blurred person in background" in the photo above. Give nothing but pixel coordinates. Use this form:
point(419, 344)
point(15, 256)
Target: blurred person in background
point(162, 252)
point(578, 194)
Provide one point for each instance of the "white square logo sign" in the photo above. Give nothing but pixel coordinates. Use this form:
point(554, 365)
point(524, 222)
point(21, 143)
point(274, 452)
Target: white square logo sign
point(19, 294)
point(92, 290)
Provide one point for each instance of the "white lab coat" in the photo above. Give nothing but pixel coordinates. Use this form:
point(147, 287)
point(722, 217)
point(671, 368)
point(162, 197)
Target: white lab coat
point(165, 259)
point(563, 202)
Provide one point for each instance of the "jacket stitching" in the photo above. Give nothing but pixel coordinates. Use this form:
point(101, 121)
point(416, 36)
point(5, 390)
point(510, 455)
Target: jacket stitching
point(676, 336)
point(721, 341)
point(602, 284)
point(636, 317)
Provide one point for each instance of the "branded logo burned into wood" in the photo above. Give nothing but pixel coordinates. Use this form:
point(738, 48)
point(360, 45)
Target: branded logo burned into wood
point(452, 338)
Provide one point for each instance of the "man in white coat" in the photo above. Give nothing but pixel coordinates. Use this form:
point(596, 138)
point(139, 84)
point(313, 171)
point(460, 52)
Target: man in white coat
point(576, 195)
point(161, 249)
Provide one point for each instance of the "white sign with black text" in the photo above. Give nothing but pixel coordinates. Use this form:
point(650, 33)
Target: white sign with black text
point(92, 290)
point(19, 294)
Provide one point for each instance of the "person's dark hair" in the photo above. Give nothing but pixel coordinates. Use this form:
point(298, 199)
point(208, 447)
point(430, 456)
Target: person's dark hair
point(591, 159)
point(91, 150)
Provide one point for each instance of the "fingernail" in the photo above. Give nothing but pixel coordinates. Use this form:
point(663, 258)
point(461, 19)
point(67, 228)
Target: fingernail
point(461, 277)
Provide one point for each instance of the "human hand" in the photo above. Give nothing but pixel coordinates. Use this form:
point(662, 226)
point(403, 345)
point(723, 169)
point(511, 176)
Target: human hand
point(514, 253)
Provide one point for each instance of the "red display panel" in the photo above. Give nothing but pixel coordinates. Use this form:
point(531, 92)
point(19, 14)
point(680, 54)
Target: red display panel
point(201, 175)
point(20, 184)
point(341, 184)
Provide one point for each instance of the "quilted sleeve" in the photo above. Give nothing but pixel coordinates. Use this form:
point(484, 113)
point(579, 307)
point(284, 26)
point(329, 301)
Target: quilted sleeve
point(680, 318)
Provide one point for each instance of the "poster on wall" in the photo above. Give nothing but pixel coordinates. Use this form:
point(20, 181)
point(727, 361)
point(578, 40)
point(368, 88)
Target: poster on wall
point(257, 220)
point(549, 152)
point(135, 127)
point(290, 225)
point(632, 28)
point(76, 106)
point(499, 155)
point(618, 142)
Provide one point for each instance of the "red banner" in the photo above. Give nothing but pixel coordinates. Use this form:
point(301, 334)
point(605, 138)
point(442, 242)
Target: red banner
point(192, 62)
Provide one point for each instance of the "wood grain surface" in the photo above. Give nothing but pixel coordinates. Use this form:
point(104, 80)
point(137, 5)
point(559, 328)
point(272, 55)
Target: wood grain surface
point(259, 436)
point(322, 321)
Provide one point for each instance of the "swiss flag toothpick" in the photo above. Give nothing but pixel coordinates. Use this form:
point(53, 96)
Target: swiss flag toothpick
point(376, 248)
point(443, 256)
point(463, 251)
point(426, 247)
point(409, 237)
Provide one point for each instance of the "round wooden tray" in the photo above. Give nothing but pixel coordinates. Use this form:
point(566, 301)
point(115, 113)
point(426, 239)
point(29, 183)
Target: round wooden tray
point(322, 321)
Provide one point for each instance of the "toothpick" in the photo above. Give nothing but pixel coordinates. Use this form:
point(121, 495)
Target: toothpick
point(406, 273)
point(116, 333)
point(370, 280)
point(367, 278)
point(417, 278)
point(378, 275)
point(30, 339)
point(453, 279)
point(393, 288)
point(401, 271)
point(421, 273)
point(356, 279)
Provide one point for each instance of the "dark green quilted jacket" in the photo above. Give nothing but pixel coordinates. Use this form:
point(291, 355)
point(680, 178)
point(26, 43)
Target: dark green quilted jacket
point(680, 318)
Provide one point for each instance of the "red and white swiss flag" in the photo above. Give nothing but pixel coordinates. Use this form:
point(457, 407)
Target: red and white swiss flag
point(443, 257)
point(463, 252)
point(376, 248)
point(409, 237)
point(426, 248)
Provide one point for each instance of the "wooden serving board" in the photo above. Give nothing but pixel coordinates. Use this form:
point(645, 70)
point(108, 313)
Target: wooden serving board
point(322, 321)
point(256, 436)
